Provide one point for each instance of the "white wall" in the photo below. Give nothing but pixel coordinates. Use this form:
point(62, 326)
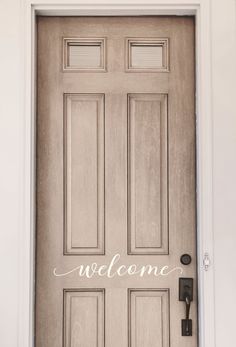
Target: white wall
point(224, 130)
point(10, 118)
point(224, 110)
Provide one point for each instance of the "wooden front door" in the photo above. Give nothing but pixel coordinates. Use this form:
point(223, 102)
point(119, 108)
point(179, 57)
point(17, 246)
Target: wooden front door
point(115, 181)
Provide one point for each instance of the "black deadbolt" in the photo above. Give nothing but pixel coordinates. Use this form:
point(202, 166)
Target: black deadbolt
point(185, 259)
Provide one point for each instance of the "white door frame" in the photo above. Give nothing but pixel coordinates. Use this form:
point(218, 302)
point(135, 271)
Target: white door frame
point(201, 9)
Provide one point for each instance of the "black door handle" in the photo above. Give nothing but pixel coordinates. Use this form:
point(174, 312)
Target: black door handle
point(186, 295)
point(187, 323)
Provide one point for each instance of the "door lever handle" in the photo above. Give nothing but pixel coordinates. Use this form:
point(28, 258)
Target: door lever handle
point(187, 323)
point(186, 295)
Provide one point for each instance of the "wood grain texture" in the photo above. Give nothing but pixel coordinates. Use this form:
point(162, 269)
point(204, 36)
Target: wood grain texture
point(84, 54)
point(84, 173)
point(148, 318)
point(116, 84)
point(84, 318)
point(147, 54)
point(147, 174)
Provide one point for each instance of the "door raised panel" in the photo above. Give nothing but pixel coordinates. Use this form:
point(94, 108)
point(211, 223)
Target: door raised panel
point(84, 318)
point(84, 54)
point(148, 318)
point(147, 174)
point(147, 55)
point(84, 173)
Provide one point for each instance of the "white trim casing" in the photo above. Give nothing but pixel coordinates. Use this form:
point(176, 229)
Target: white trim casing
point(202, 11)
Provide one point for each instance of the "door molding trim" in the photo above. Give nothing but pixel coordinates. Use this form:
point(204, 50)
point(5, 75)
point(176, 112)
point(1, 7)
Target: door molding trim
point(201, 9)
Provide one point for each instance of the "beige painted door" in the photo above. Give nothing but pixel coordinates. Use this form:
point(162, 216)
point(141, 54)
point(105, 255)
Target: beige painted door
point(115, 181)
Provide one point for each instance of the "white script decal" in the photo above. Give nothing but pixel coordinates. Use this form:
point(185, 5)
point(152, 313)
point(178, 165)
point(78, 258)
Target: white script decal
point(113, 269)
